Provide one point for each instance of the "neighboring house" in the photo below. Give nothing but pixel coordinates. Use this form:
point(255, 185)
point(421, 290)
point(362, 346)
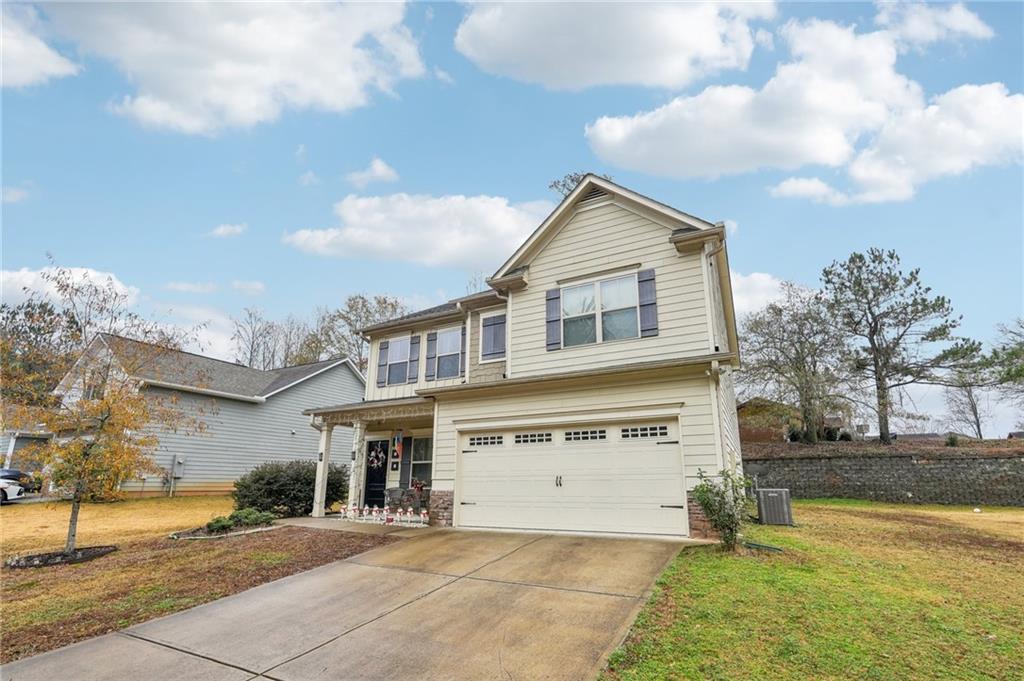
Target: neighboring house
point(248, 416)
point(16, 447)
point(764, 420)
point(583, 392)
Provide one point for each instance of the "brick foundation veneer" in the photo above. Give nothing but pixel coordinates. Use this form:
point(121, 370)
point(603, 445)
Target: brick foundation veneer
point(700, 528)
point(441, 503)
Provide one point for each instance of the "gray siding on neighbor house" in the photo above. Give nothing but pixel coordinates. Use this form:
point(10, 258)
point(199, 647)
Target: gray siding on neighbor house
point(240, 435)
point(20, 462)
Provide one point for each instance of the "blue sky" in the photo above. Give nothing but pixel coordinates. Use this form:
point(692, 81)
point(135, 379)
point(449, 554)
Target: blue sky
point(816, 129)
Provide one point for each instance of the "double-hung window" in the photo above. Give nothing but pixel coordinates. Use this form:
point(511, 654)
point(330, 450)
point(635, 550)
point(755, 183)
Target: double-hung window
point(492, 337)
point(602, 311)
point(449, 352)
point(398, 360)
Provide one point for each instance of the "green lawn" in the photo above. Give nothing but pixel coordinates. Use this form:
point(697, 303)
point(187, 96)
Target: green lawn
point(863, 590)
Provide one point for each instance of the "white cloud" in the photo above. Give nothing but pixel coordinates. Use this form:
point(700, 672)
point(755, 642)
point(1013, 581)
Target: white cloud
point(191, 286)
point(16, 285)
point(213, 335)
point(377, 171)
point(443, 76)
point(300, 153)
point(201, 67)
point(917, 23)
point(467, 231)
point(965, 128)
point(838, 103)
point(252, 288)
point(812, 188)
point(753, 291)
point(569, 46)
point(226, 230)
point(765, 39)
point(27, 59)
point(731, 227)
point(14, 194)
point(308, 179)
point(810, 112)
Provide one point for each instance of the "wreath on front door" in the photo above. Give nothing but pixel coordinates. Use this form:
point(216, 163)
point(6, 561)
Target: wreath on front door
point(375, 459)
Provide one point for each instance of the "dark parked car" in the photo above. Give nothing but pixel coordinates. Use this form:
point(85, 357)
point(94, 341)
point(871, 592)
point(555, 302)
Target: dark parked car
point(29, 482)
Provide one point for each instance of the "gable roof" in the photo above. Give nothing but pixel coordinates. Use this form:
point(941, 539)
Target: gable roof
point(191, 372)
point(592, 189)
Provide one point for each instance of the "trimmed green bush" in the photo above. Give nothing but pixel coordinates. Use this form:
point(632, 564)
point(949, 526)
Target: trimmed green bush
point(285, 488)
point(220, 524)
point(845, 436)
point(250, 517)
point(952, 440)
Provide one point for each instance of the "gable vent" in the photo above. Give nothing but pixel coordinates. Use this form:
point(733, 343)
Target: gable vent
point(594, 194)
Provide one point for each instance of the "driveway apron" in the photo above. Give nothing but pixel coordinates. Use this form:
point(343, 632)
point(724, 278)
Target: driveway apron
point(445, 605)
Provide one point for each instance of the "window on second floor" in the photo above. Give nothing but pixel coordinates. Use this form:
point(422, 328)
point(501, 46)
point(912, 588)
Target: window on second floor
point(492, 337)
point(449, 352)
point(600, 311)
point(398, 360)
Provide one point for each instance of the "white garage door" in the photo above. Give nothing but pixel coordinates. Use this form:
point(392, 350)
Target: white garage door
point(624, 478)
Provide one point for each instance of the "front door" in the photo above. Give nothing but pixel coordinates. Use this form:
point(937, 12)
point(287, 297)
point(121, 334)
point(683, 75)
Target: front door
point(376, 473)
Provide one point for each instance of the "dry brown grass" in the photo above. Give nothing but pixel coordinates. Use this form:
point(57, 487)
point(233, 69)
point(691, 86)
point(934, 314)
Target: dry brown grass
point(150, 575)
point(41, 527)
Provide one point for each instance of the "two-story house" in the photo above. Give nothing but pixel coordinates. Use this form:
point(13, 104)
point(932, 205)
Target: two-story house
point(583, 392)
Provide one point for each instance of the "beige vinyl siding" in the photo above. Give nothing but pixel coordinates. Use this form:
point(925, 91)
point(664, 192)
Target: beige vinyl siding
point(389, 392)
point(729, 420)
point(241, 435)
point(610, 395)
point(602, 238)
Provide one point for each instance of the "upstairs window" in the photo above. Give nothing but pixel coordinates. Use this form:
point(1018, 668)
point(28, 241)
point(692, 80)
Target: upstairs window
point(600, 311)
point(398, 360)
point(492, 337)
point(449, 351)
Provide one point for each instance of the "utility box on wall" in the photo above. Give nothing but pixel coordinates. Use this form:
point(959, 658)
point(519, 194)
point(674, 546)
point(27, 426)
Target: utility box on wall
point(774, 507)
point(178, 468)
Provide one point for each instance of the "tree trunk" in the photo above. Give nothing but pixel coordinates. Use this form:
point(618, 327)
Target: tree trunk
point(882, 400)
point(76, 504)
point(810, 419)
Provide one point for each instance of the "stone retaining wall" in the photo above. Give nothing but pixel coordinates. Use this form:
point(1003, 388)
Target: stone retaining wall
point(911, 478)
point(440, 510)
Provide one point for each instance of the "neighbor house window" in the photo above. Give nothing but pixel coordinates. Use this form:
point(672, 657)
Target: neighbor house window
point(604, 310)
point(398, 360)
point(449, 351)
point(422, 459)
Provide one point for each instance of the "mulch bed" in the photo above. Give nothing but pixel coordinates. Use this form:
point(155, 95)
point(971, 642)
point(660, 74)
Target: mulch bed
point(51, 607)
point(59, 557)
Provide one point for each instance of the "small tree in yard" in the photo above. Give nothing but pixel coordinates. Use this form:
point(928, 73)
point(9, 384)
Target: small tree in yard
point(967, 404)
point(103, 424)
point(794, 355)
point(724, 502)
point(906, 334)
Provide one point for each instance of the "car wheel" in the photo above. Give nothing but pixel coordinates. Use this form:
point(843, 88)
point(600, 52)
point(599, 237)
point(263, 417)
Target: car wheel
point(3, 496)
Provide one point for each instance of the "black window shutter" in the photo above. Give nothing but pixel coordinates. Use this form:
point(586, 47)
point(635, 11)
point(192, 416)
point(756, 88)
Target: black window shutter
point(553, 319)
point(648, 303)
point(462, 354)
point(431, 368)
point(414, 359)
point(493, 337)
point(382, 364)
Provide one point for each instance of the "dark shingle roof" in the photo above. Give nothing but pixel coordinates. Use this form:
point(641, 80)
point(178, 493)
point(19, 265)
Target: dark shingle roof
point(150, 362)
point(441, 309)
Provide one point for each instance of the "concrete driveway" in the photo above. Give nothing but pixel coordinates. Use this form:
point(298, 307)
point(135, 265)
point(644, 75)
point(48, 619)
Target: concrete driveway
point(446, 605)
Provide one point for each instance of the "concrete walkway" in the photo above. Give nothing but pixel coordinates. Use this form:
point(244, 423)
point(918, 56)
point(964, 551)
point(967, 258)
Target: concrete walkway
point(443, 605)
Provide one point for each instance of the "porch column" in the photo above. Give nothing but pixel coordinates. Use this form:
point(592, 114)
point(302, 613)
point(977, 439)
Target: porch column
point(355, 471)
point(322, 467)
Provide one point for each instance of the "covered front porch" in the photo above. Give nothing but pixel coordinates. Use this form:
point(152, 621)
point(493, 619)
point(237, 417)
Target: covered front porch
point(392, 452)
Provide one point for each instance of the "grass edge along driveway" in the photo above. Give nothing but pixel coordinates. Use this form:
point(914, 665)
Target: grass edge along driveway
point(864, 590)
